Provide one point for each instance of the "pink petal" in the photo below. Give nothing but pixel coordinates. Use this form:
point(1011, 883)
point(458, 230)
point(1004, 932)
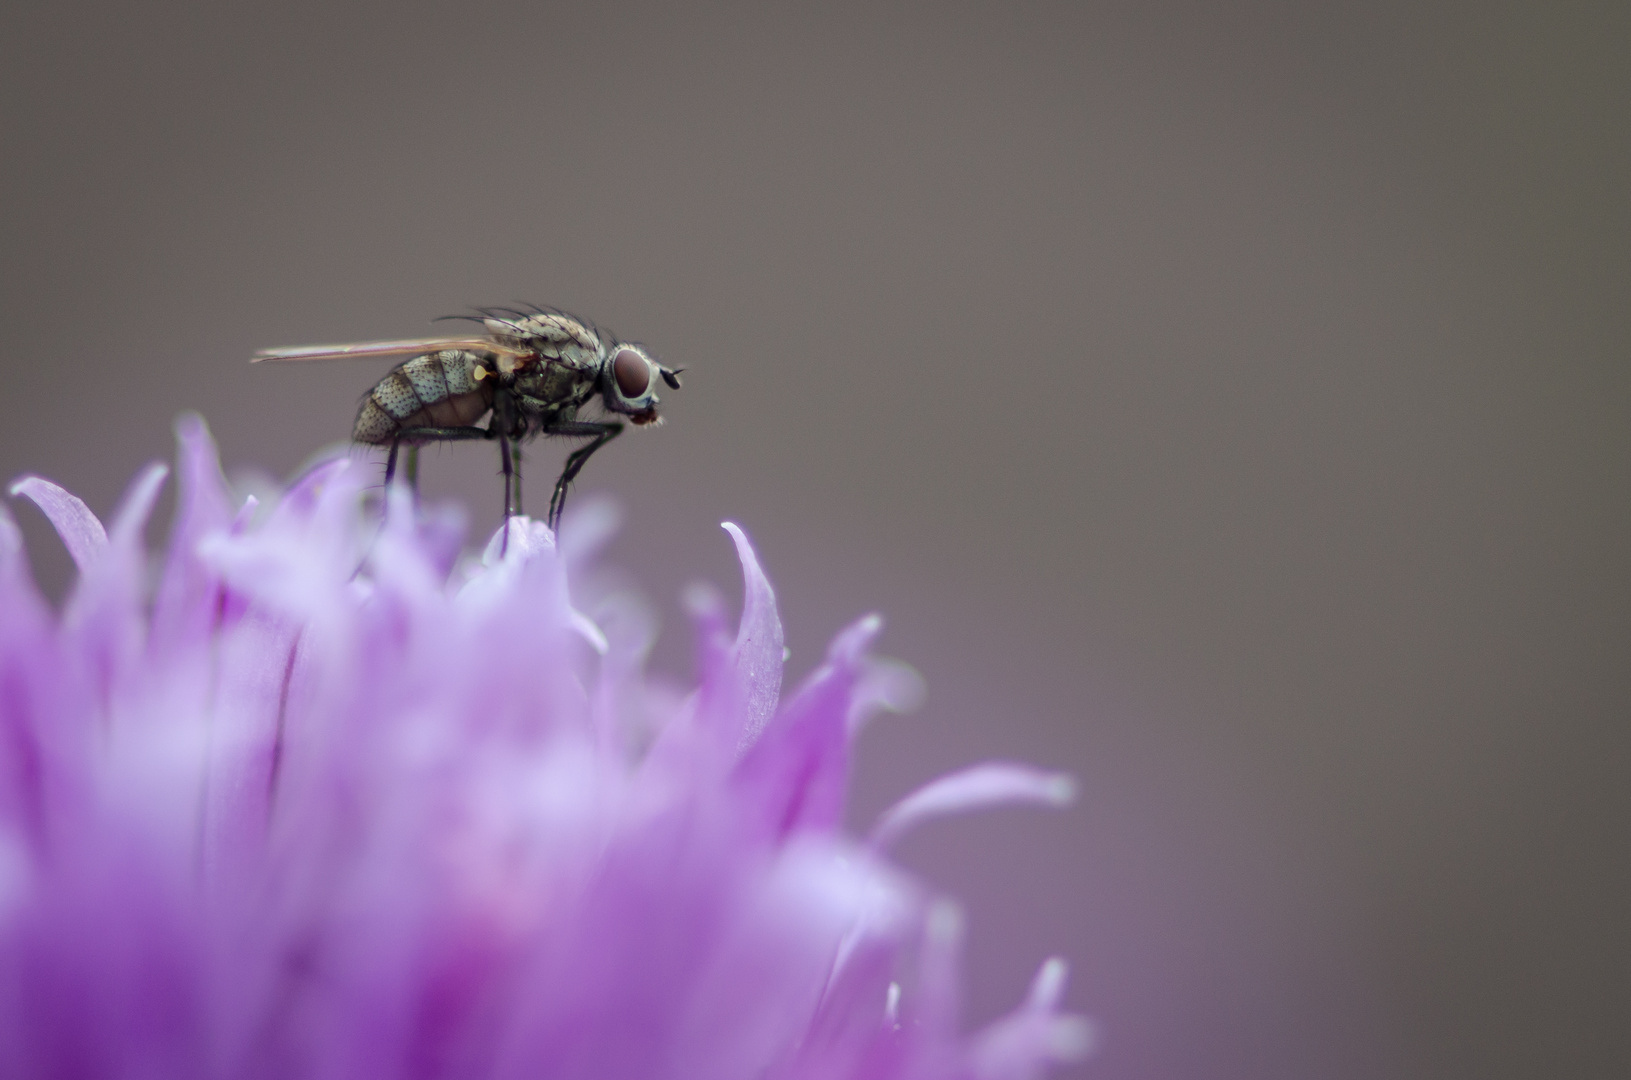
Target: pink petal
point(759, 644)
point(188, 596)
point(82, 534)
point(1024, 1044)
point(131, 517)
point(794, 777)
point(974, 788)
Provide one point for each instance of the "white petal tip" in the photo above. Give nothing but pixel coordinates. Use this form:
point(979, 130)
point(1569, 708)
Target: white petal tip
point(977, 788)
point(1048, 988)
point(591, 633)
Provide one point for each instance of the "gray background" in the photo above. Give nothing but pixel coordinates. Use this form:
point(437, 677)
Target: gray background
point(1228, 403)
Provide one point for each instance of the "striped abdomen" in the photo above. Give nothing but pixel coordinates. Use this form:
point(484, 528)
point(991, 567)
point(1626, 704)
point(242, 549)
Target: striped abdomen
point(434, 390)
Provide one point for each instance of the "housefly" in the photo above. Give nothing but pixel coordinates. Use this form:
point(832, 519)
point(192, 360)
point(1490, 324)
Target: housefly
point(529, 373)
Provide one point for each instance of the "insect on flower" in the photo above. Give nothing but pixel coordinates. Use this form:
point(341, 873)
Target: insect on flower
point(529, 375)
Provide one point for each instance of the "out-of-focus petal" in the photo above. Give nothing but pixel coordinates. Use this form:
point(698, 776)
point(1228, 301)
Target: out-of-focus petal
point(585, 529)
point(187, 601)
point(137, 506)
point(105, 621)
point(1026, 1043)
point(974, 788)
point(28, 687)
point(885, 686)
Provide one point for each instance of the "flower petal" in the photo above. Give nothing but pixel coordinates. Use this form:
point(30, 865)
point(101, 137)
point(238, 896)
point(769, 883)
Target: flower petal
point(185, 605)
point(794, 777)
point(974, 788)
point(1025, 1043)
point(137, 506)
point(759, 643)
point(885, 686)
point(81, 532)
point(323, 811)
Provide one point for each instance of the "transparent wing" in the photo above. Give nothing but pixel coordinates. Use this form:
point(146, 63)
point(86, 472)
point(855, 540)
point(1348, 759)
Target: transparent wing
point(369, 350)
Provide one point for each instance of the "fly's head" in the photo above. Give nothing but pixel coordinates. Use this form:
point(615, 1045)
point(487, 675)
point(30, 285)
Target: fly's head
point(628, 382)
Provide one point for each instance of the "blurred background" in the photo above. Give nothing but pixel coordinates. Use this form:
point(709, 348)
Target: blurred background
point(1229, 403)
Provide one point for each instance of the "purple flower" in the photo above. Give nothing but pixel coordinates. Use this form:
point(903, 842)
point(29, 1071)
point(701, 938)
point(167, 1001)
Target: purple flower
point(329, 801)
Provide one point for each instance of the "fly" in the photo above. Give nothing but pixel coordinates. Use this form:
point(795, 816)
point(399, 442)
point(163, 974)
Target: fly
point(529, 374)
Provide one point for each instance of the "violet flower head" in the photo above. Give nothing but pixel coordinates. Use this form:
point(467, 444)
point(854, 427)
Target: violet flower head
point(278, 816)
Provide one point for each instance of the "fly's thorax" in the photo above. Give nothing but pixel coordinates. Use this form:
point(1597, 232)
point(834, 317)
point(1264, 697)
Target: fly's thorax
point(555, 384)
point(551, 336)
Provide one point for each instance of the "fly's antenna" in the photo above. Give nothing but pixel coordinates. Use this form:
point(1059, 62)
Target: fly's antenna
point(671, 376)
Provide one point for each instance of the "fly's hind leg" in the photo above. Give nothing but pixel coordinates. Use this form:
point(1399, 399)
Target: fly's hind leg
point(415, 436)
point(602, 434)
point(509, 453)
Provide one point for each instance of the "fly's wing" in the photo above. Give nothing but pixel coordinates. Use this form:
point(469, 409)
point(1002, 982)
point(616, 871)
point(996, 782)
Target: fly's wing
point(372, 350)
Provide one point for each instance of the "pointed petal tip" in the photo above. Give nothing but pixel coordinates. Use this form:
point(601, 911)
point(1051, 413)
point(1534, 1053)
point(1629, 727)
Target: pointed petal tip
point(886, 685)
point(744, 551)
point(520, 537)
point(1048, 987)
point(246, 513)
point(852, 642)
point(759, 639)
point(134, 510)
point(81, 531)
point(589, 631)
point(190, 427)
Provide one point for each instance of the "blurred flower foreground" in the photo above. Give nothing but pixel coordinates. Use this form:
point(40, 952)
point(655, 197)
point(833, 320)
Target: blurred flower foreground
point(277, 816)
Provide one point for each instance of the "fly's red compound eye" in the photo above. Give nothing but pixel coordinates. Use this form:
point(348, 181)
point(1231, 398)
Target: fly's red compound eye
point(632, 373)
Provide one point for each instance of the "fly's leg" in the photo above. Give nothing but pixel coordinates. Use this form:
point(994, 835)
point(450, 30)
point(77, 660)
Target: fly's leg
point(509, 454)
point(414, 436)
point(515, 458)
point(602, 433)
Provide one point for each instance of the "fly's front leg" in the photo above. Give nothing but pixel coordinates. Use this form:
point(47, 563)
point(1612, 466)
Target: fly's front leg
point(602, 434)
